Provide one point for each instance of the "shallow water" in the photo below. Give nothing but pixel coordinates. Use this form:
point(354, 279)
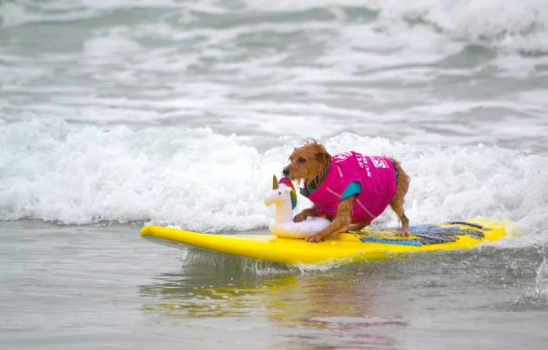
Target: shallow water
point(81, 287)
point(116, 114)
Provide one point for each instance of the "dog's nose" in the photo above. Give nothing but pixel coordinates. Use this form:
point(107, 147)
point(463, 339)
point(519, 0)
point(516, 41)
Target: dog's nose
point(286, 171)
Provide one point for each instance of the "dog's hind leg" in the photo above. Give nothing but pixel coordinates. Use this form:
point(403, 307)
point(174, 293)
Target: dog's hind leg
point(397, 206)
point(399, 198)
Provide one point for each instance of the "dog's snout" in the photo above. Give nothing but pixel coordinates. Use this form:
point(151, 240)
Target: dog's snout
point(286, 171)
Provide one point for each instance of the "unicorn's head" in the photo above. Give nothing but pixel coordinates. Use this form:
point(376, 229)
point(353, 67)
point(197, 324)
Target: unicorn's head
point(281, 192)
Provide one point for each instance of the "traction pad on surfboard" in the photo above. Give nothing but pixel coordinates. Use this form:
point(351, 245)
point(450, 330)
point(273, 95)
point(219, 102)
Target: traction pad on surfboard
point(429, 235)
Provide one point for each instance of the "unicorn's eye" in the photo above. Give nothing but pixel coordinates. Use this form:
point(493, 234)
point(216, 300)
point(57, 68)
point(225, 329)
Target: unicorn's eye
point(279, 193)
point(301, 160)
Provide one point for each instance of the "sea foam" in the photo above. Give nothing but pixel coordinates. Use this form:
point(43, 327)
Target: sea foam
point(199, 180)
point(521, 26)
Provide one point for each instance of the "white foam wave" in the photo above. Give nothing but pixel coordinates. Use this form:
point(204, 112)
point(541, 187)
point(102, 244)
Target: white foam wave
point(74, 174)
point(194, 178)
point(507, 24)
point(19, 12)
point(521, 26)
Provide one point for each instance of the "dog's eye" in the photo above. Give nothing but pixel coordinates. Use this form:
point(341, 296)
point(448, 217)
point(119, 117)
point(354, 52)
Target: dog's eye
point(302, 160)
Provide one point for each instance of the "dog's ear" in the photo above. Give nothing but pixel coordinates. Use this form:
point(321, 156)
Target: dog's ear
point(322, 156)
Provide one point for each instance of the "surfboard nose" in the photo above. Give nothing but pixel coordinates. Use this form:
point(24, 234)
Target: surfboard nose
point(145, 231)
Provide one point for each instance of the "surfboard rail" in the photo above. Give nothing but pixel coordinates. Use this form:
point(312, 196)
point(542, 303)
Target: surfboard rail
point(347, 247)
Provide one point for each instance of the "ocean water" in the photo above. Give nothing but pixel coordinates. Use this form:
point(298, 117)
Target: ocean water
point(116, 114)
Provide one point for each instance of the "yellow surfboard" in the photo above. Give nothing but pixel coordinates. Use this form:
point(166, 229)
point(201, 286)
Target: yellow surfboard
point(368, 244)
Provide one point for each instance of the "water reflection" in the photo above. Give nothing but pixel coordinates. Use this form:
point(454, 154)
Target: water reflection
point(345, 307)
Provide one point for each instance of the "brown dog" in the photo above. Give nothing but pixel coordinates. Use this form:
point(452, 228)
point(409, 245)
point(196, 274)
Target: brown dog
point(312, 163)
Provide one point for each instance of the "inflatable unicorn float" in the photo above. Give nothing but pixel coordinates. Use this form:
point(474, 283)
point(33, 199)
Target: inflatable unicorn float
point(283, 195)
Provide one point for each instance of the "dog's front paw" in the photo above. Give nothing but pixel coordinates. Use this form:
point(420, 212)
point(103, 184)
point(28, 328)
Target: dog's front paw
point(300, 217)
point(314, 238)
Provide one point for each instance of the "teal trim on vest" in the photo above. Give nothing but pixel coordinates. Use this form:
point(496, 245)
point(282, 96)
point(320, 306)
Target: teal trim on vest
point(352, 189)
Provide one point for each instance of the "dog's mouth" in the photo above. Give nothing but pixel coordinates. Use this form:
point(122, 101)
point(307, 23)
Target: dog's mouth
point(290, 175)
point(296, 179)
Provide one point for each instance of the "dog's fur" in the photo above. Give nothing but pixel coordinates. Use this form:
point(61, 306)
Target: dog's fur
point(309, 163)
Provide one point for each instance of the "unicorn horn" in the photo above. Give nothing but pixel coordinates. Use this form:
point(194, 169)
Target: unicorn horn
point(274, 183)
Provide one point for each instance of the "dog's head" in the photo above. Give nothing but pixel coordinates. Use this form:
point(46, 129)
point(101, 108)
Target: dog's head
point(307, 161)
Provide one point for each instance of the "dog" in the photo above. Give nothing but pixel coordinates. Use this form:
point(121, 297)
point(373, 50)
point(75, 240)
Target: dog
point(376, 182)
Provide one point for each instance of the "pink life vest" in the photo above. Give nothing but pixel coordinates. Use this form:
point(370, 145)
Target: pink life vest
point(375, 174)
